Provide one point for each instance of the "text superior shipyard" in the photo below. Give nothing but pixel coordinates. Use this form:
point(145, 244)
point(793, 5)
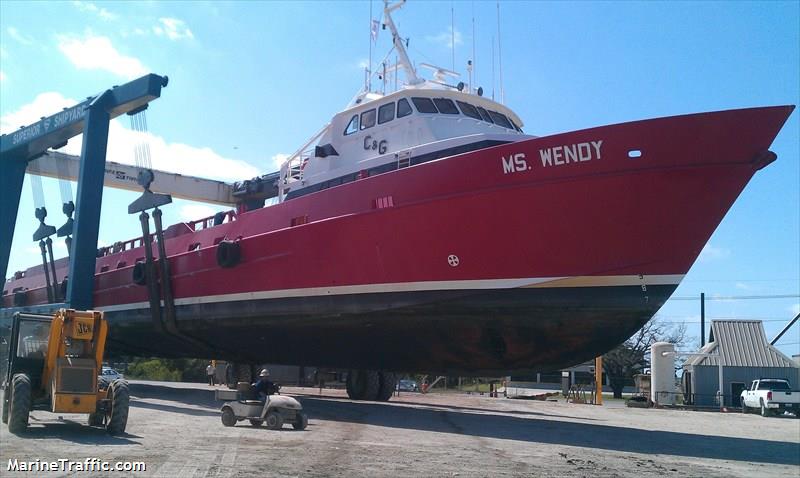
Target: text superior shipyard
point(424, 231)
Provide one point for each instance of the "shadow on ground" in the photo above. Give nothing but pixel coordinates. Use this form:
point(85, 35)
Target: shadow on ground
point(534, 427)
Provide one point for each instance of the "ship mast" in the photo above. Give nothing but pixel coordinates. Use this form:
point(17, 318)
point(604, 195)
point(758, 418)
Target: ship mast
point(405, 62)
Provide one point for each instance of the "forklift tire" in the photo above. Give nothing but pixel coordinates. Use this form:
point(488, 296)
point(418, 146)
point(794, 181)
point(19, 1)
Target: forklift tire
point(96, 419)
point(274, 420)
point(388, 385)
point(120, 402)
point(300, 421)
point(5, 409)
point(228, 418)
point(20, 404)
point(256, 423)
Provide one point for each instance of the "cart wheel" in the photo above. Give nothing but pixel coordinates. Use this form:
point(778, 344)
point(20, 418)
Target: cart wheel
point(228, 418)
point(20, 403)
point(256, 423)
point(274, 420)
point(120, 401)
point(301, 422)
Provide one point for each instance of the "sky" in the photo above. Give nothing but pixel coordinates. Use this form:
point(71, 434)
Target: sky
point(251, 81)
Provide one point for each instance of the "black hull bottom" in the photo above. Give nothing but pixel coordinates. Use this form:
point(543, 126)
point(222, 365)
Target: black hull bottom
point(467, 332)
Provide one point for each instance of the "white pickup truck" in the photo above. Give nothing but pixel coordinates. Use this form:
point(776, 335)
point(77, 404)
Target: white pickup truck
point(771, 395)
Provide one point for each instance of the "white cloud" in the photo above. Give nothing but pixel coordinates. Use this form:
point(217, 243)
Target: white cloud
point(711, 253)
point(92, 8)
point(173, 28)
point(277, 161)
point(795, 309)
point(173, 157)
point(743, 286)
point(20, 37)
point(97, 53)
point(2, 76)
point(446, 38)
point(193, 212)
point(44, 104)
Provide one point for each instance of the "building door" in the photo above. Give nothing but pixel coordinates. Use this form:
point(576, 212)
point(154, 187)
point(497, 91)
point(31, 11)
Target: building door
point(736, 393)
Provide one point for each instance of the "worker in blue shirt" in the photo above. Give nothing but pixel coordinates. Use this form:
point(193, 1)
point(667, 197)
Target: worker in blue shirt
point(264, 386)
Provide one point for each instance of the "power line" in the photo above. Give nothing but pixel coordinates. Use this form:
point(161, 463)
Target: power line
point(742, 297)
point(788, 343)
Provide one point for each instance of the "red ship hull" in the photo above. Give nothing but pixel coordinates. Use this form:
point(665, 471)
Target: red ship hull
point(529, 255)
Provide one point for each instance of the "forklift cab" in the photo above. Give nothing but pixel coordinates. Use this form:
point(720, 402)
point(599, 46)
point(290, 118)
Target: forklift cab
point(27, 348)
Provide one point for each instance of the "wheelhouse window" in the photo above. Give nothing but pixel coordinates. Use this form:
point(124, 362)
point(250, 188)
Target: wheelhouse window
point(367, 119)
point(352, 126)
point(500, 119)
point(424, 105)
point(386, 113)
point(485, 115)
point(403, 108)
point(445, 106)
point(469, 110)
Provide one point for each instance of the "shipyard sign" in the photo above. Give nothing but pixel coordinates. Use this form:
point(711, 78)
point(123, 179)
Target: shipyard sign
point(56, 121)
point(555, 156)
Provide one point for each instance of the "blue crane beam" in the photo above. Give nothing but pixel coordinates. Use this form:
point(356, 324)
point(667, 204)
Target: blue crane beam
point(90, 117)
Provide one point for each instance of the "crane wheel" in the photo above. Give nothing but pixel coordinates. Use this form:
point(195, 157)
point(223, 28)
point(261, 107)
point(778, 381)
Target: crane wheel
point(388, 385)
point(372, 385)
point(120, 402)
point(20, 403)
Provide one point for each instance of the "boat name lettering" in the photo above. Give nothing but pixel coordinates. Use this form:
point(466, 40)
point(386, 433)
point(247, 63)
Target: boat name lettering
point(514, 163)
point(574, 153)
point(374, 144)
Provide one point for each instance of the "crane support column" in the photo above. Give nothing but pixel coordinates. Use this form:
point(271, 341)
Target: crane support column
point(89, 198)
point(11, 179)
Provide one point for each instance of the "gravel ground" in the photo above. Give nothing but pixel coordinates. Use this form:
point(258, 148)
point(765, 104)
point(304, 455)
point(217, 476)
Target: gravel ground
point(176, 430)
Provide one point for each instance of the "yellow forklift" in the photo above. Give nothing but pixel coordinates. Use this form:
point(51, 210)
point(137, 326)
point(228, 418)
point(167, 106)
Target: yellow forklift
point(53, 364)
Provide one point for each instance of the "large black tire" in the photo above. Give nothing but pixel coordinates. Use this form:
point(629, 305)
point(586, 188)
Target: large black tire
point(300, 421)
point(20, 403)
point(96, 419)
point(355, 384)
point(6, 406)
point(372, 386)
point(120, 403)
point(274, 420)
point(388, 385)
point(228, 418)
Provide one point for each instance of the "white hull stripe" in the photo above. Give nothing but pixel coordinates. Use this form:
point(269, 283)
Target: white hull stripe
point(545, 282)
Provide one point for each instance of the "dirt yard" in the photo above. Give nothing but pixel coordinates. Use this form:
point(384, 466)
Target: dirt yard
point(176, 430)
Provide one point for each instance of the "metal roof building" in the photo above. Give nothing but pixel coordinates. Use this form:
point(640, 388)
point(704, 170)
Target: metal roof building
point(742, 348)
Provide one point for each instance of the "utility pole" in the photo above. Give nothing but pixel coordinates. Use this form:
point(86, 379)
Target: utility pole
point(702, 319)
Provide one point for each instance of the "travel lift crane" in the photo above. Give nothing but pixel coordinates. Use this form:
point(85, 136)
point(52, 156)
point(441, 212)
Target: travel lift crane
point(90, 117)
point(63, 377)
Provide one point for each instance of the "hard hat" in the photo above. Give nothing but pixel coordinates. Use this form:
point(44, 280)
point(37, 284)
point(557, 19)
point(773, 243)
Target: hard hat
point(264, 373)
